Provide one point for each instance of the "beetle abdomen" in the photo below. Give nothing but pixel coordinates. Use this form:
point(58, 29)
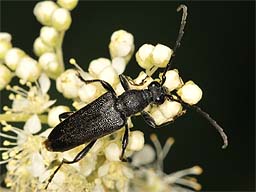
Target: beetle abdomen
point(93, 121)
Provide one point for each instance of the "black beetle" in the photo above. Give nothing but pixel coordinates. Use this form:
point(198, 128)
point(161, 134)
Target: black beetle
point(109, 112)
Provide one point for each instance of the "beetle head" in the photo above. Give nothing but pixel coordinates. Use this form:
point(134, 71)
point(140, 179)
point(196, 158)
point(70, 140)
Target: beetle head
point(158, 92)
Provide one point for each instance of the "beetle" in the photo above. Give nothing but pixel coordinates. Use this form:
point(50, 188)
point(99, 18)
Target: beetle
point(110, 112)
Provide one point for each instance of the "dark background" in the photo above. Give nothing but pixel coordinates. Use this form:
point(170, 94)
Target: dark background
point(217, 53)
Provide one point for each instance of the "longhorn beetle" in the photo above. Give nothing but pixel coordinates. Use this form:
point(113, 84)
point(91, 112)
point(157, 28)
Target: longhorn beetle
point(109, 112)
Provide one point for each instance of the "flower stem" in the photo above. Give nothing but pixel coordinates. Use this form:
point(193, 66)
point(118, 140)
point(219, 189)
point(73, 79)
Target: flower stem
point(12, 117)
point(59, 50)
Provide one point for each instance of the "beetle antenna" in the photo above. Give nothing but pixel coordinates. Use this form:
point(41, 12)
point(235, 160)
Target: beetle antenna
point(206, 116)
point(214, 124)
point(178, 40)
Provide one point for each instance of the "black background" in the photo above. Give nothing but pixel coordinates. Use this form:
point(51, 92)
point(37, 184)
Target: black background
point(217, 53)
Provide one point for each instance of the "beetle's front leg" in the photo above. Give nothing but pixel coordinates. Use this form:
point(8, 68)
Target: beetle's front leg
point(151, 122)
point(105, 84)
point(78, 157)
point(124, 142)
point(125, 82)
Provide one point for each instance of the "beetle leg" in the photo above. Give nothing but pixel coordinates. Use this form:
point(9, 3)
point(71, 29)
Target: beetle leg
point(78, 157)
point(105, 84)
point(124, 142)
point(64, 115)
point(124, 82)
point(151, 122)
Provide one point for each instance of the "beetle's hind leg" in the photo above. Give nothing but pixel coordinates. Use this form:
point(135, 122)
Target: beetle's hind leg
point(78, 157)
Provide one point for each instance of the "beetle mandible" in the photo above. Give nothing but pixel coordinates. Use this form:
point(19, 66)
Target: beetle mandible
point(110, 112)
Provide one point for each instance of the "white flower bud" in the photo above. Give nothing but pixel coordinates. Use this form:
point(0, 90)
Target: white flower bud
point(48, 61)
point(49, 35)
point(5, 76)
point(44, 10)
point(136, 141)
point(121, 45)
point(173, 80)
point(68, 4)
point(28, 69)
point(13, 56)
point(103, 170)
point(143, 157)
point(157, 115)
point(119, 64)
point(170, 109)
point(161, 55)
point(109, 74)
point(190, 93)
point(4, 47)
point(40, 47)
point(112, 152)
point(88, 93)
point(61, 19)
point(97, 65)
point(53, 115)
point(5, 37)
point(68, 83)
point(144, 56)
point(46, 58)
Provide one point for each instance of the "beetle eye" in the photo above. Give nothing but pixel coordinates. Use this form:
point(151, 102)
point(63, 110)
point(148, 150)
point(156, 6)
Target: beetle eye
point(160, 100)
point(154, 84)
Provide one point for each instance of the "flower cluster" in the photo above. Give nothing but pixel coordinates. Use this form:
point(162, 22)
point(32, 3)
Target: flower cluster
point(30, 165)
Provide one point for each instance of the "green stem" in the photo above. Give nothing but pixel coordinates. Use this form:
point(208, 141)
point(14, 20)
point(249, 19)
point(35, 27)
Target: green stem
point(59, 50)
point(12, 117)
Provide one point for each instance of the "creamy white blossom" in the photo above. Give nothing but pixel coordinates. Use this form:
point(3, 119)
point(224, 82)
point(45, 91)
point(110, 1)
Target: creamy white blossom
point(40, 47)
point(49, 36)
point(68, 83)
point(5, 76)
point(34, 100)
point(136, 141)
point(28, 69)
point(50, 64)
point(161, 55)
point(190, 93)
point(68, 4)
point(5, 45)
point(173, 80)
point(13, 57)
point(121, 45)
point(113, 152)
point(144, 55)
point(44, 10)
point(53, 115)
point(61, 19)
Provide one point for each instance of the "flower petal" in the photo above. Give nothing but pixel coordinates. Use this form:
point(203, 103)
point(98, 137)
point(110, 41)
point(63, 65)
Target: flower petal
point(45, 83)
point(33, 125)
point(37, 167)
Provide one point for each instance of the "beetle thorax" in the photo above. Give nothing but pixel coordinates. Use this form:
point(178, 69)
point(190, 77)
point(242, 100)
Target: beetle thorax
point(133, 101)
